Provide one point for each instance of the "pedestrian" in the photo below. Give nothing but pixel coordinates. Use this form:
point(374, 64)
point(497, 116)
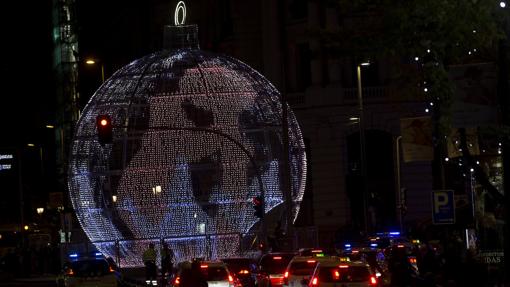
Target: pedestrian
point(167, 258)
point(149, 259)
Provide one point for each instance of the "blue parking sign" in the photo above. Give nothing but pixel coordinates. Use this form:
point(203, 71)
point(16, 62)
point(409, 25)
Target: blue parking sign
point(443, 207)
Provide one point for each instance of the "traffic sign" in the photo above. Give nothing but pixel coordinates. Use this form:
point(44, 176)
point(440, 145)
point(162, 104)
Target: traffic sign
point(443, 207)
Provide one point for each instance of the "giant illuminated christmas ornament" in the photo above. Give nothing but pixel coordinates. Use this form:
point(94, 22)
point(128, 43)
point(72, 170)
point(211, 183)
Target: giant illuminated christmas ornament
point(196, 136)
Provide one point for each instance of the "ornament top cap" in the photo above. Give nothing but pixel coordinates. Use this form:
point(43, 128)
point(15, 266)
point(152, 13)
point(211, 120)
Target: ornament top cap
point(180, 14)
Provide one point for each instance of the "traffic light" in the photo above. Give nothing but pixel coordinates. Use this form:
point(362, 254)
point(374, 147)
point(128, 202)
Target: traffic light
point(258, 205)
point(104, 129)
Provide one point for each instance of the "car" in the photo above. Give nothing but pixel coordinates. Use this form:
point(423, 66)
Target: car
point(243, 268)
point(317, 252)
point(216, 273)
point(88, 271)
point(302, 267)
point(271, 268)
point(346, 274)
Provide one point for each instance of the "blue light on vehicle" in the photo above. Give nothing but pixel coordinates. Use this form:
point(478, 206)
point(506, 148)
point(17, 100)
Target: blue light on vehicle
point(74, 255)
point(373, 244)
point(347, 246)
point(394, 233)
point(99, 254)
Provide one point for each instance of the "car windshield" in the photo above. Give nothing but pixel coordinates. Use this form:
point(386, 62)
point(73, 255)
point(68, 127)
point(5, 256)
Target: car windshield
point(275, 264)
point(302, 268)
point(215, 273)
point(238, 264)
point(89, 268)
point(350, 274)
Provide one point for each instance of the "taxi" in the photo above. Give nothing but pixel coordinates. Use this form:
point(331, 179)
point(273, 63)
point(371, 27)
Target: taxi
point(346, 274)
point(216, 273)
point(301, 268)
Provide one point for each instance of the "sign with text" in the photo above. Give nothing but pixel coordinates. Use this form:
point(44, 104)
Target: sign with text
point(3, 164)
point(443, 207)
point(417, 139)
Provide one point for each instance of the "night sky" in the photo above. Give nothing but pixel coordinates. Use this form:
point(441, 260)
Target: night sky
point(27, 96)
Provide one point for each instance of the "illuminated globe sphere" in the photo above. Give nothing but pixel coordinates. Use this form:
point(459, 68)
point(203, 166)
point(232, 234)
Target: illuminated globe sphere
point(196, 136)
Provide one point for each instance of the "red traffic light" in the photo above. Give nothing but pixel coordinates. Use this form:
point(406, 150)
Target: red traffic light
point(104, 129)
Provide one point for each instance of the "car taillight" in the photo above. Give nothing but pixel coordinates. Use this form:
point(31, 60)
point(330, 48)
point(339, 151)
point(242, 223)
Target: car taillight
point(315, 281)
point(203, 266)
point(177, 280)
point(69, 272)
point(277, 258)
point(412, 260)
point(230, 279)
point(244, 271)
point(373, 280)
point(286, 274)
point(111, 269)
point(336, 275)
point(286, 278)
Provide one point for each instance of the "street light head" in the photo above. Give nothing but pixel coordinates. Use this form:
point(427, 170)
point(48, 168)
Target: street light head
point(31, 145)
point(40, 210)
point(367, 63)
point(354, 119)
point(50, 126)
point(90, 62)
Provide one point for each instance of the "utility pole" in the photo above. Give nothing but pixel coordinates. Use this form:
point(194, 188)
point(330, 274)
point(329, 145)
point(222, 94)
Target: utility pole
point(287, 192)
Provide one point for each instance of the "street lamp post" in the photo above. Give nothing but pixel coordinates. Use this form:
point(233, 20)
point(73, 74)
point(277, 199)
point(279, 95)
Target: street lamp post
point(363, 161)
point(95, 61)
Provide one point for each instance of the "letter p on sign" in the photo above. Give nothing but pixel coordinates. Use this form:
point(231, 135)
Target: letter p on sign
point(443, 207)
point(440, 200)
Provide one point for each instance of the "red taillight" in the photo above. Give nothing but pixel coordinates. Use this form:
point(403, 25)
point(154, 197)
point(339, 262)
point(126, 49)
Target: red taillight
point(111, 269)
point(277, 258)
point(400, 246)
point(412, 260)
point(336, 275)
point(343, 266)
point(244, 271)
point(310, 261)
point(373, 280)
point(203, 266)
point(69, 272)
point(286, 274)
point(315, 281)
point(230, 279)
point(177, 280)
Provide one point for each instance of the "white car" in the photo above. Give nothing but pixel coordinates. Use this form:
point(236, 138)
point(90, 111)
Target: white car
point(301, 268)
point(346, 274)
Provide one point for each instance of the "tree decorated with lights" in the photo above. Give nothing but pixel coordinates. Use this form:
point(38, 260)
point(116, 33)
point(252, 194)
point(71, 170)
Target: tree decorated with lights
point(433, 35)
